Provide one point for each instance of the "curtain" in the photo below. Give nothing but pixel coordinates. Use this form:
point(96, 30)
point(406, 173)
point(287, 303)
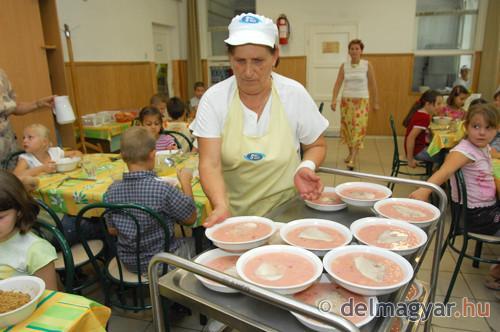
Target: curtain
point(194, 60)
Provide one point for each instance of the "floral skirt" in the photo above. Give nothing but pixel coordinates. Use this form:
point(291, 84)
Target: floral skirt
point(353, 120)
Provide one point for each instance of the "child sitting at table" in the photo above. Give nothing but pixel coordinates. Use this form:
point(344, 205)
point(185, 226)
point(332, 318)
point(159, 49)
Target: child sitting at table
point(455, 103)
point(417, 126)
point(39, 157)
point(141, 186)
point(159, 101)
point(151, 118)
point(177, 111)
point(21, 251)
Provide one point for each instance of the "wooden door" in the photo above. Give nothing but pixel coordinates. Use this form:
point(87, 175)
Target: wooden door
point(24, 59)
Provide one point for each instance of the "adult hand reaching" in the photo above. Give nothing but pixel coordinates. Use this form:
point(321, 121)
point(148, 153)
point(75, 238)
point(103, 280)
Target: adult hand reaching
point(333, 106)
point(217, 216)
point(45, 102)
point(308, 183)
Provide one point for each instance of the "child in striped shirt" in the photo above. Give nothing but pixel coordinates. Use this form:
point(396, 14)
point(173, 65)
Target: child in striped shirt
point(151, 118)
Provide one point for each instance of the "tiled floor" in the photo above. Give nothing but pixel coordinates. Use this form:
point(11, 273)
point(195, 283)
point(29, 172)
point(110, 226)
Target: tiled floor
point(375, 158)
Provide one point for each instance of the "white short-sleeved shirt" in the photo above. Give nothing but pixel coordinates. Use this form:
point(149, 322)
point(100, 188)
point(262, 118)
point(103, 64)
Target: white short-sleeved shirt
point(305, 121)
point(55, 153)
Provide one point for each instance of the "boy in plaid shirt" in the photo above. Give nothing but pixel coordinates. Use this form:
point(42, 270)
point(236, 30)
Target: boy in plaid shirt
point(141, 186)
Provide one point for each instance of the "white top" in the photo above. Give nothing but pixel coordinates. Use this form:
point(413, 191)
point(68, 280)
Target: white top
point(305, 121)
point(356, 80)
point(55, 153)
point(460, 81)
point(194, 101)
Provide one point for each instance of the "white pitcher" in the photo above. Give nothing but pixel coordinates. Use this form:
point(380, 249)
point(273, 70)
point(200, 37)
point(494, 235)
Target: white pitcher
point(63, 110)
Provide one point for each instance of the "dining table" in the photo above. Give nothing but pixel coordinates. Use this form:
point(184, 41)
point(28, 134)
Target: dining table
point(109, 132)
point(445, 136)
point(58, 311)
point(70, 191)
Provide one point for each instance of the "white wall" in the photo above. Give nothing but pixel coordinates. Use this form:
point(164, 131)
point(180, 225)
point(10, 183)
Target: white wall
point(121, 30)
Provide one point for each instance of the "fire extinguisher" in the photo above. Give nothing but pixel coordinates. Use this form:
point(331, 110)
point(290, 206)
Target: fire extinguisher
point(283, 29)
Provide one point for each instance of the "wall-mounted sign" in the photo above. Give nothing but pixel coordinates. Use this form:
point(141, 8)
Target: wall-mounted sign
point(330, 47)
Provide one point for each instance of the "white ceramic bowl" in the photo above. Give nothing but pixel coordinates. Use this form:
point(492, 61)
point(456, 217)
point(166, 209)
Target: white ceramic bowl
point(418, 294)
point(33, 286)
point(287, 228)
point(317, 326)
point(371, 221)
point(362, 202)
point(291, 289)
point(442, 120)
point(425, 205)
point(326, 207)
point(67, 164)
point(364, 289)
point(243, 245)
point(206, 257)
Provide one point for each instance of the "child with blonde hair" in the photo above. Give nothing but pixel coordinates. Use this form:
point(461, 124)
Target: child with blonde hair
point(39, 157)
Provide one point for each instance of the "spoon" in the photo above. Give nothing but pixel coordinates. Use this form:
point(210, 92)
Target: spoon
point(169, 162)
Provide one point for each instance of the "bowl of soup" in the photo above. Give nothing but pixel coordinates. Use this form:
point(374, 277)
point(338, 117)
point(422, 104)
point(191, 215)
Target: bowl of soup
point(280, 268)
point(317, 235)
point(18, 298)
point(367, 270)
point(415, 292)
point(67, 164)
point(394, 235)
point(362, 193)
point(221, 261)
point(329, 297)
point(328, 201)
point(239, 234)
point(421, 214)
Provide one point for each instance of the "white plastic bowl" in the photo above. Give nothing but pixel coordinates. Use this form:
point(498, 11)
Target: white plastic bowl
point(326, 207)
point(291, 289)
point(362, 202)
point(317, 326)
point(421, 224)
point(364, 289)
point(33, 286)
point(244, 245)
point(442, 120)
point(371, 221)
point(206, 257)
point(67, 164)
point(287, 228)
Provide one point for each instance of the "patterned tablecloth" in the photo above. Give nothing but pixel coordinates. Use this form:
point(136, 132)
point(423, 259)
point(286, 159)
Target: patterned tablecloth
point(106, 131)
point(58, 311)
point(69, 192)
point(444, 138)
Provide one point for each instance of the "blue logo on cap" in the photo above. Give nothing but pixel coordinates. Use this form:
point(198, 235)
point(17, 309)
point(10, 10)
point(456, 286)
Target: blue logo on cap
point(250, 19)
point(254, 156)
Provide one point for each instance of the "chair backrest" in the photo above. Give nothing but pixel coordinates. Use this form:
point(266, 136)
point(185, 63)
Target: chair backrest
point(394, 137)
point(320, 108)
point(176, 135)
point(51, 233)
point(458, 209)
point(52, 214)
point(131, 212)
point(10, 158)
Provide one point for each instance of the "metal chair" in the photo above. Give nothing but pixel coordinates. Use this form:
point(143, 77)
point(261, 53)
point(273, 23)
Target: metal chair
point(79, 256)
point(459, 227)
point(51, 233)
point(176, 135)
point(10, 158)
point(114, 272)
point(397, 162)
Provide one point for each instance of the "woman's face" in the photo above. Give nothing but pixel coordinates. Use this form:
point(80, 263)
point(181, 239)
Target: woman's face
point(479, 132)
point(7, 223)
point(33, 142)
point(252, 66)
point(355, 51)
point(460, 100)
point(153, 123)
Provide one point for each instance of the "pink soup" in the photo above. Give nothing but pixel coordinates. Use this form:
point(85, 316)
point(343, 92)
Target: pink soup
point(367, 269)
point(244, 231)
point(406, 211)
point(363, 193)
point(328, 198)
point(334, 294)
point(316, 237)
point(226, 264)
point(388, 237)
point(412, 292)
point(279, 269)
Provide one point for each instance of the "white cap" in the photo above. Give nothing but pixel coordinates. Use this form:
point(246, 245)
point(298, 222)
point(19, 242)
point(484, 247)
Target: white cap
point(252, 29)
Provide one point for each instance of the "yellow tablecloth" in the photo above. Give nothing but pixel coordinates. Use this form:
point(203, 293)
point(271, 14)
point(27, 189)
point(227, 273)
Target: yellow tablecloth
point(58, 311)
point(106, 131)
point(444, 138)
point(69, 192)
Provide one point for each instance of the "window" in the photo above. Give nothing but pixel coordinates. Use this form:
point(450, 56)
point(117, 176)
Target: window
point(444, 42)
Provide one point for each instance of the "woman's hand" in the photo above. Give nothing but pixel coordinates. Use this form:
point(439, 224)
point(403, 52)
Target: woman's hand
point(333, 106)
point(45, 102)
point(308, 184)
point(421, 194)
point(217, 216)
